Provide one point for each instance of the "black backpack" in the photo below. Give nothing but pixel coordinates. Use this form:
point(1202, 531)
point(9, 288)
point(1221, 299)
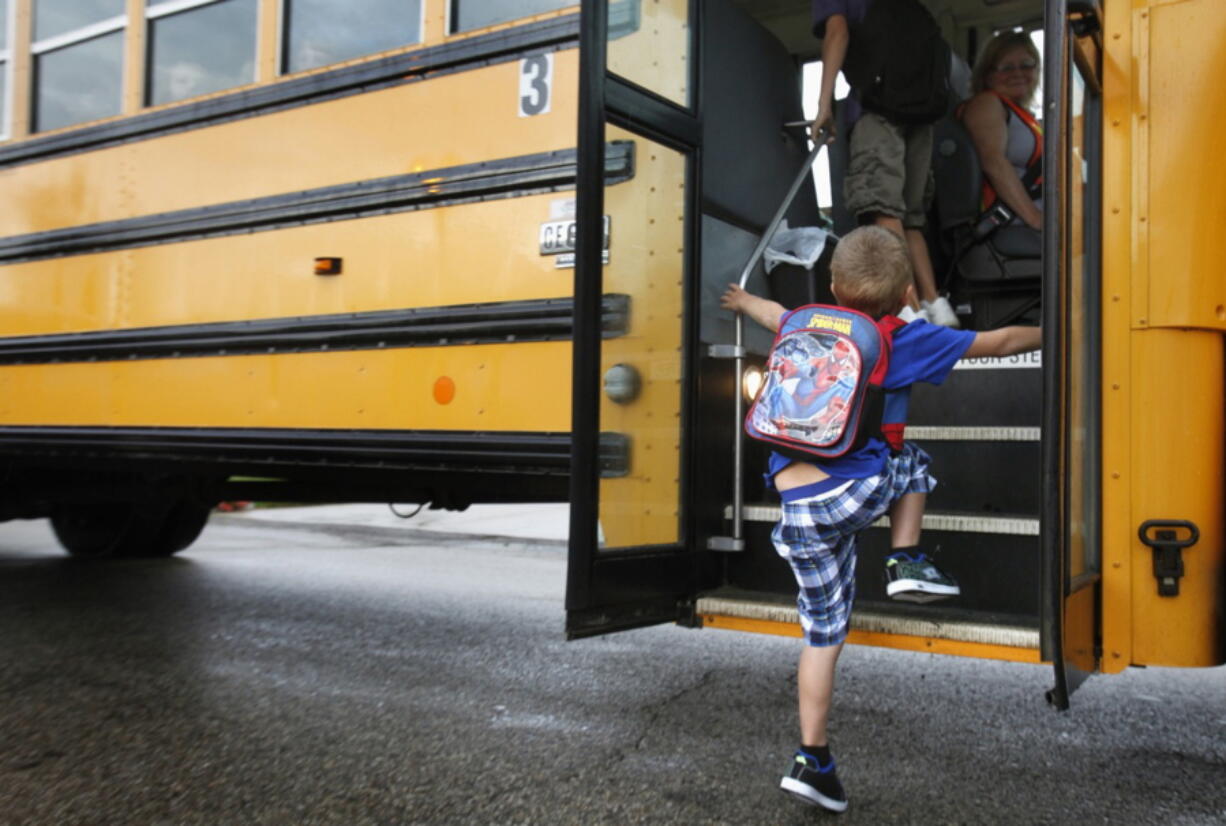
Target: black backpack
point(898, 63)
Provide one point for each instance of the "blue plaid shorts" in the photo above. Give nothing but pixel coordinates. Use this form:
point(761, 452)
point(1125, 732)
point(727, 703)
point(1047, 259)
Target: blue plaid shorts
point(817, 536)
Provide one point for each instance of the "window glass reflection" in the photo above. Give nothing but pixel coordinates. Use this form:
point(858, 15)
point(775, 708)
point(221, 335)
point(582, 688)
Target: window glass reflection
point(643, 507)
point(649, 44)
point(4, 25)
point(202, 50)
point(320, 32)
point(474, 14)
point(4, 103)
point(79, 83)
point(52, 17)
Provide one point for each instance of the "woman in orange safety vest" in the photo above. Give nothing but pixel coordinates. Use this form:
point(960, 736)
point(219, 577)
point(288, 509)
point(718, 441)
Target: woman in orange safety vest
point(1007, 138)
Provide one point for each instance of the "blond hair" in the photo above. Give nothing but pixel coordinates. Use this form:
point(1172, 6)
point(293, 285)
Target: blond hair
point(871, 270)
point(997, 46)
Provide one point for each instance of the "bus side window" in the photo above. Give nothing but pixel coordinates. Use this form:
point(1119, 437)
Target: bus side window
point(467, 15)
point(321, 32)
point(203, 49)
point(78, 61)
point(5, 40)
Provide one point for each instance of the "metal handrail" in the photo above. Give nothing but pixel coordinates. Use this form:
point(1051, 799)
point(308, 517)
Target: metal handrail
point(738, 444)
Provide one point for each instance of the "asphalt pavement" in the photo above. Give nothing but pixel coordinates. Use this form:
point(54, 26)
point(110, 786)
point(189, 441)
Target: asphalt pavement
point(339, 665)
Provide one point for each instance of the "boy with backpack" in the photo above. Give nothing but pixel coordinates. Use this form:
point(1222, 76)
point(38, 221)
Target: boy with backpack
point(826, 503)
point(897, 65)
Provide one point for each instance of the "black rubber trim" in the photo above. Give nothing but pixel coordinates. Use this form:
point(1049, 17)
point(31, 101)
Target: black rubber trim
point(461, 324)
point(510, 452)
point(584, 480)
point(409, 67)
point(641, 110)
point(468, 183)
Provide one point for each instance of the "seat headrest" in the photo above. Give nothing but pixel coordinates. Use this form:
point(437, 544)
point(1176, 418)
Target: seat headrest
point(956, 171)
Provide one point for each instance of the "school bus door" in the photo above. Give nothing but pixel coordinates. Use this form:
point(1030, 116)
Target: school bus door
point(630, 563)
point(1072, 332)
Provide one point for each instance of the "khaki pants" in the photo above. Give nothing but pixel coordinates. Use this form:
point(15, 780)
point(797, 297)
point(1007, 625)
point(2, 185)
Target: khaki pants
point(890, 171)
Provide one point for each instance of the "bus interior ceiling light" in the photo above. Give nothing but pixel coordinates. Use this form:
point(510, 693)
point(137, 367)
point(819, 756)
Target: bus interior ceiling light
point(328, 265)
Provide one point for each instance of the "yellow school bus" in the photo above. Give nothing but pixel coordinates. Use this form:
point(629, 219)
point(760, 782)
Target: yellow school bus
point(1083, 509)
point(264, 249)
point(460, 251)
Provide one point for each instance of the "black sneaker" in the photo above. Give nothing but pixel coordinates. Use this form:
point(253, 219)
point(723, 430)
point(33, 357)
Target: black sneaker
point(814, 785)
point(917, 579)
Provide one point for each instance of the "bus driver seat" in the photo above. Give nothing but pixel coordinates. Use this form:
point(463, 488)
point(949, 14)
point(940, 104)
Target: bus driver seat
point(997, 272)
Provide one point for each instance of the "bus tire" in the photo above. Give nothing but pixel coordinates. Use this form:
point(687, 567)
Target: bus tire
point(182, 525)
point(128, 531)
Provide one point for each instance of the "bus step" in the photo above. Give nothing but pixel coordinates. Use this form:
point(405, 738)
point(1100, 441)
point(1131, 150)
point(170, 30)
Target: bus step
point(946, 521)
point(868, 621)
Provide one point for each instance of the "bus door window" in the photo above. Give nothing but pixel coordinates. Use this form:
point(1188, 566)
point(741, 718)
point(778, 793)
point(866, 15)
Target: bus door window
point(646, 263)
point(1082, 290)
point(649, 44)
point(1072, 619)
point(199, 50)
point(78, 61)
point(467, 15)
point(322, 32)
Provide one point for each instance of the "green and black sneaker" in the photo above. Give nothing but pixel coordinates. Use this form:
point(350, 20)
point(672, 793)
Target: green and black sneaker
point(916, 579)
point(815, 784)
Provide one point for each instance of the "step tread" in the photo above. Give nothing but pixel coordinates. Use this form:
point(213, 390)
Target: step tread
point(960, 521)
point(1014, 632)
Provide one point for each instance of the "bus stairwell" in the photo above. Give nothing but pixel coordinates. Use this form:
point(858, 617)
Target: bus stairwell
point(981, 523)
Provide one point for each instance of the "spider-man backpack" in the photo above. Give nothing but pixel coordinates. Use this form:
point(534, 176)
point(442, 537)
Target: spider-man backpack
point(822, 394)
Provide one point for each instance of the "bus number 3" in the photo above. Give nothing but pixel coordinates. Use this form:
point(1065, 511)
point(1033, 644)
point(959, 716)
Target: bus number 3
point(535, 78)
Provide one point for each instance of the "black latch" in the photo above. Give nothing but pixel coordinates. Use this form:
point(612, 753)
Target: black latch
point(1163, 536)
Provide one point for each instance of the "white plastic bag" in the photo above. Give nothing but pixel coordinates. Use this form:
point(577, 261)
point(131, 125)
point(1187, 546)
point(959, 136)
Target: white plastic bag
point(801, 246)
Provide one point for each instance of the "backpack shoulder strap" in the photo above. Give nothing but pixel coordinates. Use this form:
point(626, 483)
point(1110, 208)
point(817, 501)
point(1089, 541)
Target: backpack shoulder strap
point(887, 324)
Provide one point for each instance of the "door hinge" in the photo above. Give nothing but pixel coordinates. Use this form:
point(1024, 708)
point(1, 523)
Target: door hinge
point(1163, 536)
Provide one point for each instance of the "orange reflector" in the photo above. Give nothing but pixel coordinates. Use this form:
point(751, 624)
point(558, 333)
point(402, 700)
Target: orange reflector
point(444, 390)
point(327, 266)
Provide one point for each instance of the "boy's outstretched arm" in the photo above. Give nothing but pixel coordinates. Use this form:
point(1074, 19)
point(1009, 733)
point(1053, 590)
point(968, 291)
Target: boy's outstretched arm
point(767, 313)
point(1004, 342)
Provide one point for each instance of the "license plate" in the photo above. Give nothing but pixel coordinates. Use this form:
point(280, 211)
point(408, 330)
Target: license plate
point(558, 237)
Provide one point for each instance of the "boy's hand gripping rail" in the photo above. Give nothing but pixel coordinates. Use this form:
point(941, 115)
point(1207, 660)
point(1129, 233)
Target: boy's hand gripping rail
point(736, 542)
